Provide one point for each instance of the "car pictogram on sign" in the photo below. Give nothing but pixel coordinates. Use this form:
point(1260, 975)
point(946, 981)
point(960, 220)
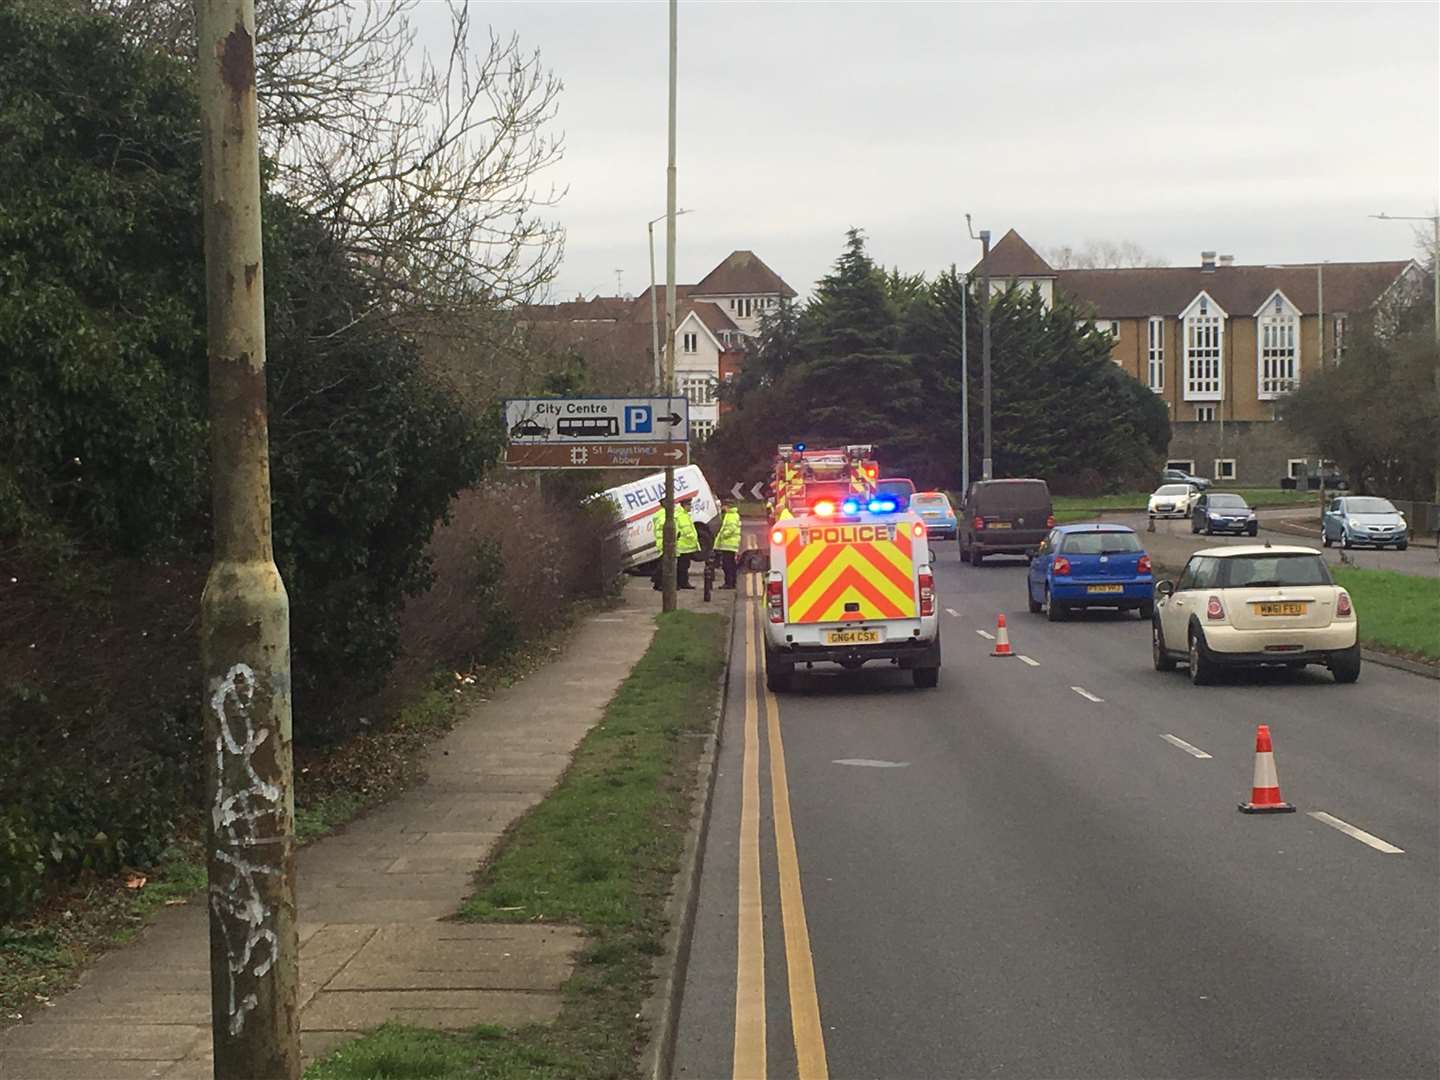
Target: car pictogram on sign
point(529, 427)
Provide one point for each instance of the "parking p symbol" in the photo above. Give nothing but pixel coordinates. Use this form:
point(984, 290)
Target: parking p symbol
point(638, 419)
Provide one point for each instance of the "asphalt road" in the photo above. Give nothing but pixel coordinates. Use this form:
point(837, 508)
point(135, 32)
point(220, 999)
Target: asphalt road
point(1416, 559)
point(1006, 877)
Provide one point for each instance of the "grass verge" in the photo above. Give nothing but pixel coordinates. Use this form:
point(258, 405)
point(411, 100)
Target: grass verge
point(42, 954)
point(1398, 613)
point(599, 852)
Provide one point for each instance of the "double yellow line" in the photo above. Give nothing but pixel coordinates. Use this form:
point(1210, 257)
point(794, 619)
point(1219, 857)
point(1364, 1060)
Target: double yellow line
point(749, 1052)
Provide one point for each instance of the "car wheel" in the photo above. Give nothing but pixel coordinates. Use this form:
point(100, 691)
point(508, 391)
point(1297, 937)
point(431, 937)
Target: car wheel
point(1161, 658)
point(1053, 611)
point(964, 552)
point(925, 678)
point(1325, 538)
point(976, 556)
point(1147, 609)
point(1202, 668)
point(1345, 664)
point(1345, 542)
point(1034, 604)
point(1402, 545)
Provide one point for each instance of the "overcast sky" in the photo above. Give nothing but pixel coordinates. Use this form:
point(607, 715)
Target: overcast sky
point(1268, 131)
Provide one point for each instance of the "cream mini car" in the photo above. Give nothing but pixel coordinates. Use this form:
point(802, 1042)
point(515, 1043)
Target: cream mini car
point(1173, 500)
point(1255, 605)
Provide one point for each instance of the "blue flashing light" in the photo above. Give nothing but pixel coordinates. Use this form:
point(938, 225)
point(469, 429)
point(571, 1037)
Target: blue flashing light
point(850, 506)
point(882, 506)
point(800, 446)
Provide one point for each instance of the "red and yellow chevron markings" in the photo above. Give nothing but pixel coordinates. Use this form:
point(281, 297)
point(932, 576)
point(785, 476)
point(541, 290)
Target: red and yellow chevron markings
point(868, 567)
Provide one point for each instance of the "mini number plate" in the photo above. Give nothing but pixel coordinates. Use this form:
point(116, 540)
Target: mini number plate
point(1281, 609)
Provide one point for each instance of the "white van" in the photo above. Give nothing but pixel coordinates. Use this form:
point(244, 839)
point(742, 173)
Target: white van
point(637, 501)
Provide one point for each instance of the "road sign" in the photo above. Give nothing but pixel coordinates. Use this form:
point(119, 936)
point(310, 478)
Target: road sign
point(757, 490)
point(565, 421)
point(592, 455)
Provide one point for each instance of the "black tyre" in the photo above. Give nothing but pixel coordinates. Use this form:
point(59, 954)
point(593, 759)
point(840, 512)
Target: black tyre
point(1147, 609)
point(1162, 660)
point(925, 678)
point(1345, 665)
point(1402, 545)
point(1345, 542)
point(976, 556)
point(964, 552)
point(1202, 668)
point(1053, 611)
point(1035, 606)
point(1325, 538)
point(777, 674)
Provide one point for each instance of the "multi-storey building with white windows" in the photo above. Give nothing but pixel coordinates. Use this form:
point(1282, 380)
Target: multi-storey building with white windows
point(1220, 343)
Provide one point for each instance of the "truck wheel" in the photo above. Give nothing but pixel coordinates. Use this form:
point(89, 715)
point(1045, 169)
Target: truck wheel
point(926, 678)
point(777, 678)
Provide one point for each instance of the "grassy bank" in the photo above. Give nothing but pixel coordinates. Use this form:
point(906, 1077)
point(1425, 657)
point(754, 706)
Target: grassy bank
point(599, 852)
point(1398, 612)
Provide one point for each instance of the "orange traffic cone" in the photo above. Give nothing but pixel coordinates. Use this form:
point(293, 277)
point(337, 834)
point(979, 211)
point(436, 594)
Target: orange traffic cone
point(1002, 638)
point(1265, 792)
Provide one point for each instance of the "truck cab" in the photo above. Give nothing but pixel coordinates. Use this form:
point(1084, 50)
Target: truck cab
point(850, 585)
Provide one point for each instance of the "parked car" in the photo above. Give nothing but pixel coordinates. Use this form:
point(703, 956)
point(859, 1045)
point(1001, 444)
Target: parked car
point(1004, 517)
point(1222, 512)
point(1080, 566)
point(1173, 500)
point(1252, 605)
point(936, 512)
point(1179, 476)
point(1364, 519)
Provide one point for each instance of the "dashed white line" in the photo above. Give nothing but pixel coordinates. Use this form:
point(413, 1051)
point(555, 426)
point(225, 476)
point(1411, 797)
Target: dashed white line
point(1032, 663)
point(1358, 834)
point(1087, 695)
point(1183, 745)
point(986, 635)
point(952, 611)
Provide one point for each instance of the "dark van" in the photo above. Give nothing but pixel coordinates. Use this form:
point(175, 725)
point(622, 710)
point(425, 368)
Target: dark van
point(1004, 517)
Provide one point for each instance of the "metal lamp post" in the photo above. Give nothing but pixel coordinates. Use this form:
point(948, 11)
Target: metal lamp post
point(654, 314)
point(986, 460)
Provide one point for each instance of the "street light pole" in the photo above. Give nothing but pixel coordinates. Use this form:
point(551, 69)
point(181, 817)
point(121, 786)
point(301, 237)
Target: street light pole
point(964, 387)
point(667, 564)
point(654, 317)
point(986, 461)
point(244, 610)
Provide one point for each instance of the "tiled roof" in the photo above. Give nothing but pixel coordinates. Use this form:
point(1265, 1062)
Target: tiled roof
point(1012, 257)
point(742, 273)
point(641, 311)
point(710, 314)
point(1240, 290)
point(598, 309)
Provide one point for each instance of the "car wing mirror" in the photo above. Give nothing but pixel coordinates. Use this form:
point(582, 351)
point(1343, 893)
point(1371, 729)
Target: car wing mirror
point(1165, 588)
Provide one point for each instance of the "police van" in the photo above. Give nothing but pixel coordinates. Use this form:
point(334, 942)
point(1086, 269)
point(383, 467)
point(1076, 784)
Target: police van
point(636, 503)
point(849, 583)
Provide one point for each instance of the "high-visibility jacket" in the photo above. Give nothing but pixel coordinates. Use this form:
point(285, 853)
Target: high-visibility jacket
point(687, 540)
point(728, 538)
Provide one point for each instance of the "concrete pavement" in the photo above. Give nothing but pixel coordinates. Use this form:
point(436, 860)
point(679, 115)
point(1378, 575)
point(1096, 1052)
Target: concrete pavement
point(373, 899)
point(1038, 870)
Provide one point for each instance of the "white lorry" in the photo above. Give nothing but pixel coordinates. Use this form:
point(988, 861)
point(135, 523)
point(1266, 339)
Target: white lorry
point(637, 502)
point(848, 586)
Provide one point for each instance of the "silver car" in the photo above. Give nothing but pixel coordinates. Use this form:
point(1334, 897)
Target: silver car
point(1364, 519)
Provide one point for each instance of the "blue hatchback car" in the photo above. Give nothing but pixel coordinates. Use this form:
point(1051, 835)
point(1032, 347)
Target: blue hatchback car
point(1080, 566)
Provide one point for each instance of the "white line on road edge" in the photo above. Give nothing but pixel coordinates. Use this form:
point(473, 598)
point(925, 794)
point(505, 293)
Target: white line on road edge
point(1032, 663)
point(1087, 695)
point(1183, 745)
point(952, 611)
point(986, 635)
point(1359, 834)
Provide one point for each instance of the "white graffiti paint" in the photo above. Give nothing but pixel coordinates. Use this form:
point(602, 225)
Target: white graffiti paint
point(251, 943)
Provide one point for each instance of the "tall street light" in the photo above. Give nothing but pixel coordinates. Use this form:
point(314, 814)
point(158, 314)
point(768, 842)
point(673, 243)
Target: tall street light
point(1434, 220)
point(964, 387)
point(986, 461)
point(654, 315)
point(667, 551)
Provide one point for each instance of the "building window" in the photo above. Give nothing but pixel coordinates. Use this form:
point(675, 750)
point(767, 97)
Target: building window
point(1339, 337)
point(1279, 350)
point(699, 389)
point(690, 342)
point(1182, 465)
point(700, 430)
point(1224, 468)
point(1205, 413)
point(1157, 354)
point(1295, 466)
point(1204, 343)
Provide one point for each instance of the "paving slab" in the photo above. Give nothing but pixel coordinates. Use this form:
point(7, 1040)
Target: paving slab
point(373, 899)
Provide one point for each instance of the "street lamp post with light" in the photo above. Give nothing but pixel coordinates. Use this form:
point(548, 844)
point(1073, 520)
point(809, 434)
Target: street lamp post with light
point(654, 313)
point(983, 236)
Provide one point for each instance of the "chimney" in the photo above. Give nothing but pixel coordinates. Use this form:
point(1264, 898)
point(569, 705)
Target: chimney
point(1207, 261)
point(1227, 260)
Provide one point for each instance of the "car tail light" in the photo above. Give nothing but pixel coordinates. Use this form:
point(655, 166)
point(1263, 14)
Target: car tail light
point(775, 599)
point(918, 529)
point(1342, 606)
point(1061, 566)
point(979, 522)
point(927, 594)
point(1050, 522)
point(1214, 609)
point(777, 536)
point(1143, 566)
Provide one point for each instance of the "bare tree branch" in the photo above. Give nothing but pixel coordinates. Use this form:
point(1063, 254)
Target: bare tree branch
point(1100, 255)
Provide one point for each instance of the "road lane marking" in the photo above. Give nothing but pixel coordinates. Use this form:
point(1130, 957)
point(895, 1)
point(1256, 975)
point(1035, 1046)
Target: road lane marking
point(810, 1060)
point(1358, 834)
point(1087, 695)
point(952, 611)
point(1183, 745)
point(986, 635)
point(749, 1047)
point(871, 763)
point(1032, 663)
